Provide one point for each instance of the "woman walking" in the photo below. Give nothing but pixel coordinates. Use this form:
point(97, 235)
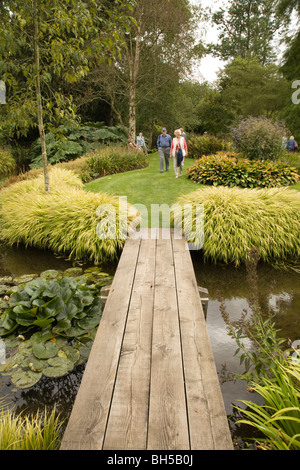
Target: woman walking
point(178, 152)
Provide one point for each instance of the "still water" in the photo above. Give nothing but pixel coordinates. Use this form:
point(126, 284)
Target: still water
point(279, 291)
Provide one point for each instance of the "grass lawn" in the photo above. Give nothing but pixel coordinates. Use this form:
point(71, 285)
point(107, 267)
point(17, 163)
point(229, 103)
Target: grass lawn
point(147, 186)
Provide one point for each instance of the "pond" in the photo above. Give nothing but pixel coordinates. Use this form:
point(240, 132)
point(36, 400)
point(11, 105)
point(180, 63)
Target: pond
point(279, 291)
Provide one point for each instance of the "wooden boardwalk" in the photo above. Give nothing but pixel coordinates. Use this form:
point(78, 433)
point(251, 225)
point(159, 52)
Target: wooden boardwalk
point(150, 382)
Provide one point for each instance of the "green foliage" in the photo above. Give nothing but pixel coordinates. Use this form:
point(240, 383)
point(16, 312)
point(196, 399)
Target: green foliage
point(113, 160)
point(41, 431)
point(7, 163)
point(279, 418)
point(249, 88)
point(65, 220)
point(247, 29)
point(50, 322)
point(272, 373)
point(259, 138)
point(70, 142)
point(206, 145)
point(236, 220)
point(230, 170)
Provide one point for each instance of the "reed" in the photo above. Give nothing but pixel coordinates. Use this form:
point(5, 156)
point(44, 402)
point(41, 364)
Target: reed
point(279, 418)
point(238, 220)
point(41, 431)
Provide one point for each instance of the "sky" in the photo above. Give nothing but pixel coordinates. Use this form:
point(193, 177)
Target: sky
point(209, 66)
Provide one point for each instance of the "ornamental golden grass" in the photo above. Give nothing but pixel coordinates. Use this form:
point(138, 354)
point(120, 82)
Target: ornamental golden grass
point(237, 220)
point(41, 431)
point(64, 221)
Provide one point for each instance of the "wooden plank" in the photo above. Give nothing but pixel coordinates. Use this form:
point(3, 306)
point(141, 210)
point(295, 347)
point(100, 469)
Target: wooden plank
point(128, 419)
point(207, 418)
point(168, 424)
point(87, 423)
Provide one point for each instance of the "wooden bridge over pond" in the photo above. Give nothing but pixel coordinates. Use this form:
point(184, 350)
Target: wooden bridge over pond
point(150, 382)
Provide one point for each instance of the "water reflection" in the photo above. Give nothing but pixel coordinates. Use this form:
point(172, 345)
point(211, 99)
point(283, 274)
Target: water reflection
point(278, 290)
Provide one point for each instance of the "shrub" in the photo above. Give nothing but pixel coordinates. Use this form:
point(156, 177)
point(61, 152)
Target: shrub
point(237, 220)
point(64, 221)
point(258, 138)
point(229, 170)
point(113, 160)
point(70, 142)
point(291, 159)
point(206, 145)
point(7, 163)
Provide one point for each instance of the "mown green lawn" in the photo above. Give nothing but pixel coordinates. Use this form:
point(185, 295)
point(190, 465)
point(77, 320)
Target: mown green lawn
point(147, 186)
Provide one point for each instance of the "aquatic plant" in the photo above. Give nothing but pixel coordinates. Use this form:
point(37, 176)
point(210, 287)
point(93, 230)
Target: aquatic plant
point(237, 220)
point(41, 431)
point(49, 323)
point(271, 371)
point(278, 419)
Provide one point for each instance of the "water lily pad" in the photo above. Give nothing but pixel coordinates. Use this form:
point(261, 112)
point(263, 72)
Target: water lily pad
point(50, 274)
point(58, 366)
point(46, 349)
point(4, 288)
point(72, 272)
point(70, 353)
point(25, 278)
point(6, 280)
point(25, 378)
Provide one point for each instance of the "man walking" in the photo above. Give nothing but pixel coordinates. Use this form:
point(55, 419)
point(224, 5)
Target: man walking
point(164, 143)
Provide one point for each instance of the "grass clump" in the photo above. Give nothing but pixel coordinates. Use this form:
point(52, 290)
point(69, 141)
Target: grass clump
point(29, 432)
point(206, 145)
point(112, 160)
point(65, 221)
point(238, 220)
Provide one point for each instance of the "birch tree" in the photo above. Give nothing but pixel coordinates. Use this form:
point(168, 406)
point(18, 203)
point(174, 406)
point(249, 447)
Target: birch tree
point(42, 41)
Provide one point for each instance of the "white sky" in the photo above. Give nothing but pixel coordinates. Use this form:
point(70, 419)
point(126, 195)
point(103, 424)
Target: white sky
point(209, 66)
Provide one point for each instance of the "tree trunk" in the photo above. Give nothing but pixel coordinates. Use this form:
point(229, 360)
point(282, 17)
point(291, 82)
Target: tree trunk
point(39, 103)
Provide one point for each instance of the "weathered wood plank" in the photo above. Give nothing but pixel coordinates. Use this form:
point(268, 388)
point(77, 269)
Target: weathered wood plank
point(86, 426)
point(128, 419)
point(207, 418)
point(168, 424)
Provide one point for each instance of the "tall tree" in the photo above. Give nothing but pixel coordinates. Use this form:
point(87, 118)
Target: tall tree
point(43, 40)
point(157, 50)
point(247, 29)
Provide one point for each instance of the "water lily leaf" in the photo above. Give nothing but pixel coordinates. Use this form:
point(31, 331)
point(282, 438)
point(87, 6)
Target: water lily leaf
point(25, 278)
point(4, 288)
point(70, 353)
point(88, 323)
point(50, 274)
point(52, 289)
point(58, 366)
point(61, 326)
point(51, 308)
point(72, 272)
point(6, 280)
point(45, 350)
point(43, 323)
point(25, 378)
